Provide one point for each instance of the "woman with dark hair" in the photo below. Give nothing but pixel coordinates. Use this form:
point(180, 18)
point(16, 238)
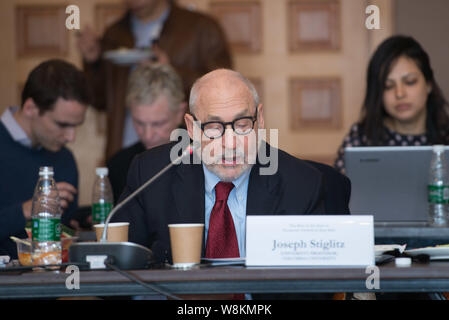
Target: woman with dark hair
point(403, 104)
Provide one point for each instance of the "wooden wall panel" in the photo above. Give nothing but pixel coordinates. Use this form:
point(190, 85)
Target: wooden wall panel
point(315, 103)
point(20, 87)
point(314, 25)
point(242, 24)
point(41, 30)
point(263, 54)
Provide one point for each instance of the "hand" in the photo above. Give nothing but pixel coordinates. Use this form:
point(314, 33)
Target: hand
point(74, 225)
point(89, 45)
point(26, 209)
point(67, 194)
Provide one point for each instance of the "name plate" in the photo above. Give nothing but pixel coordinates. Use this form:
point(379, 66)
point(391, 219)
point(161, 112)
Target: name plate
point(310, 241)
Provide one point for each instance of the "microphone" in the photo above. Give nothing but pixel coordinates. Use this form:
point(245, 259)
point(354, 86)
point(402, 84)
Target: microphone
point(126, 255)
point(187, 151)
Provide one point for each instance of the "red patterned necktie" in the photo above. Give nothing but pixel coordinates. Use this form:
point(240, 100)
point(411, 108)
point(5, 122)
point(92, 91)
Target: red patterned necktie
point(221, 237)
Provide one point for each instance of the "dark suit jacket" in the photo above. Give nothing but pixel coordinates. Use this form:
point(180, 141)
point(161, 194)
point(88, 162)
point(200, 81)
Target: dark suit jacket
point(118, 167)
point(194, 42)
point(337, 189)
point(178, 196)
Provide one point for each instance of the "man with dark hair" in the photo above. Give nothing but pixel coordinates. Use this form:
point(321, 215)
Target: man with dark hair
point(54, 102)
point(55, 79)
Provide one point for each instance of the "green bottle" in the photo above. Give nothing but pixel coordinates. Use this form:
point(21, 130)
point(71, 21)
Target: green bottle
point(46, 220)
point(102, 198)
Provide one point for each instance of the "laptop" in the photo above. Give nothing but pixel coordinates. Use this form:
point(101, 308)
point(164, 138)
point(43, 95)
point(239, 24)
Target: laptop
point(390, 183)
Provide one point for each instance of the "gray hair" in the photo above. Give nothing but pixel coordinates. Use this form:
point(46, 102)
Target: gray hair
point(197, 84)
point(149, 81)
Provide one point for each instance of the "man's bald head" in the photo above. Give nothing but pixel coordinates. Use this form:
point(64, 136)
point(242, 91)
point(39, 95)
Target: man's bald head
point(225, 101)
point(213, 83)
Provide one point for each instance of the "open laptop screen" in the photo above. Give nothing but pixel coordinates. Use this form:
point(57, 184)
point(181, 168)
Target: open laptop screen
point(390, 183)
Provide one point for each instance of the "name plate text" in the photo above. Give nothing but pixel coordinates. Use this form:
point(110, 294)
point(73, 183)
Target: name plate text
point(310, 241)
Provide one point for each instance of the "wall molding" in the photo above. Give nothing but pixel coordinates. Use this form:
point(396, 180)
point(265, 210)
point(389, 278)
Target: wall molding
point(242, 23)
point(314, 25)
point(41, 30)
point(315, 103)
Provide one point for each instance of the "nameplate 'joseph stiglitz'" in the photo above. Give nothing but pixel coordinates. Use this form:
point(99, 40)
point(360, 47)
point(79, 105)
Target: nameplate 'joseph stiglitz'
point(310, 241)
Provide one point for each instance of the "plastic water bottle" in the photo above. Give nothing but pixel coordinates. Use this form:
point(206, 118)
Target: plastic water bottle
point(102, 198)
point(438, 189)
point(46, 220)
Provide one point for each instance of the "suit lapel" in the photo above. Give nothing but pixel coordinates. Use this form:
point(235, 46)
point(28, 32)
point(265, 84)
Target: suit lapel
point(188, 192)
point(263, 193)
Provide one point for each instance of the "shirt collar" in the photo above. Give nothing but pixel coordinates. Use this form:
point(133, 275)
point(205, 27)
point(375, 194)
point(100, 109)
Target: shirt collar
point(137, 23)
point(13, 127)
point(211, 180)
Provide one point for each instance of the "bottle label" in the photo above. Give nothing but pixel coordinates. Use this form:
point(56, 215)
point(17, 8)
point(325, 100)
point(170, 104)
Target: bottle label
point(46, 229)
point(100, 211)
point(438, 194)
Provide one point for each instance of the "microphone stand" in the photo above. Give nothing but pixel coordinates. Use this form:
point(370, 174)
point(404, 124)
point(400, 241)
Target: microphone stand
point(187, 151)
point(125, 255)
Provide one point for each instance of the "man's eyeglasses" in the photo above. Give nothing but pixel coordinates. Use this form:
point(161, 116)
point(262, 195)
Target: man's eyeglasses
point(241, 126)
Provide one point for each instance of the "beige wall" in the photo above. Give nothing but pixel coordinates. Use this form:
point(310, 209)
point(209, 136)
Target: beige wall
point(8, 80)
point(428, 23)
point(274, 65)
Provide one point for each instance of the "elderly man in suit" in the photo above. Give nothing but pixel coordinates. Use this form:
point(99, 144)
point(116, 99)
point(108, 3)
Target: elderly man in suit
point(225, 186)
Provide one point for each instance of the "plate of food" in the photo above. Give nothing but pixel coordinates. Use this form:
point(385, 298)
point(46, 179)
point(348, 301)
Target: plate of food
point(440, 252)
point(52, 257)
point(126, 56)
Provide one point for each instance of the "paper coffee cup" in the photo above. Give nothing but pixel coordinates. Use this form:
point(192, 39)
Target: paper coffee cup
point(117, 231)
point(186, 242)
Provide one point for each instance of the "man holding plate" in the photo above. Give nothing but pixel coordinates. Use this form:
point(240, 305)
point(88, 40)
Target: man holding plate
point(191, 42)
